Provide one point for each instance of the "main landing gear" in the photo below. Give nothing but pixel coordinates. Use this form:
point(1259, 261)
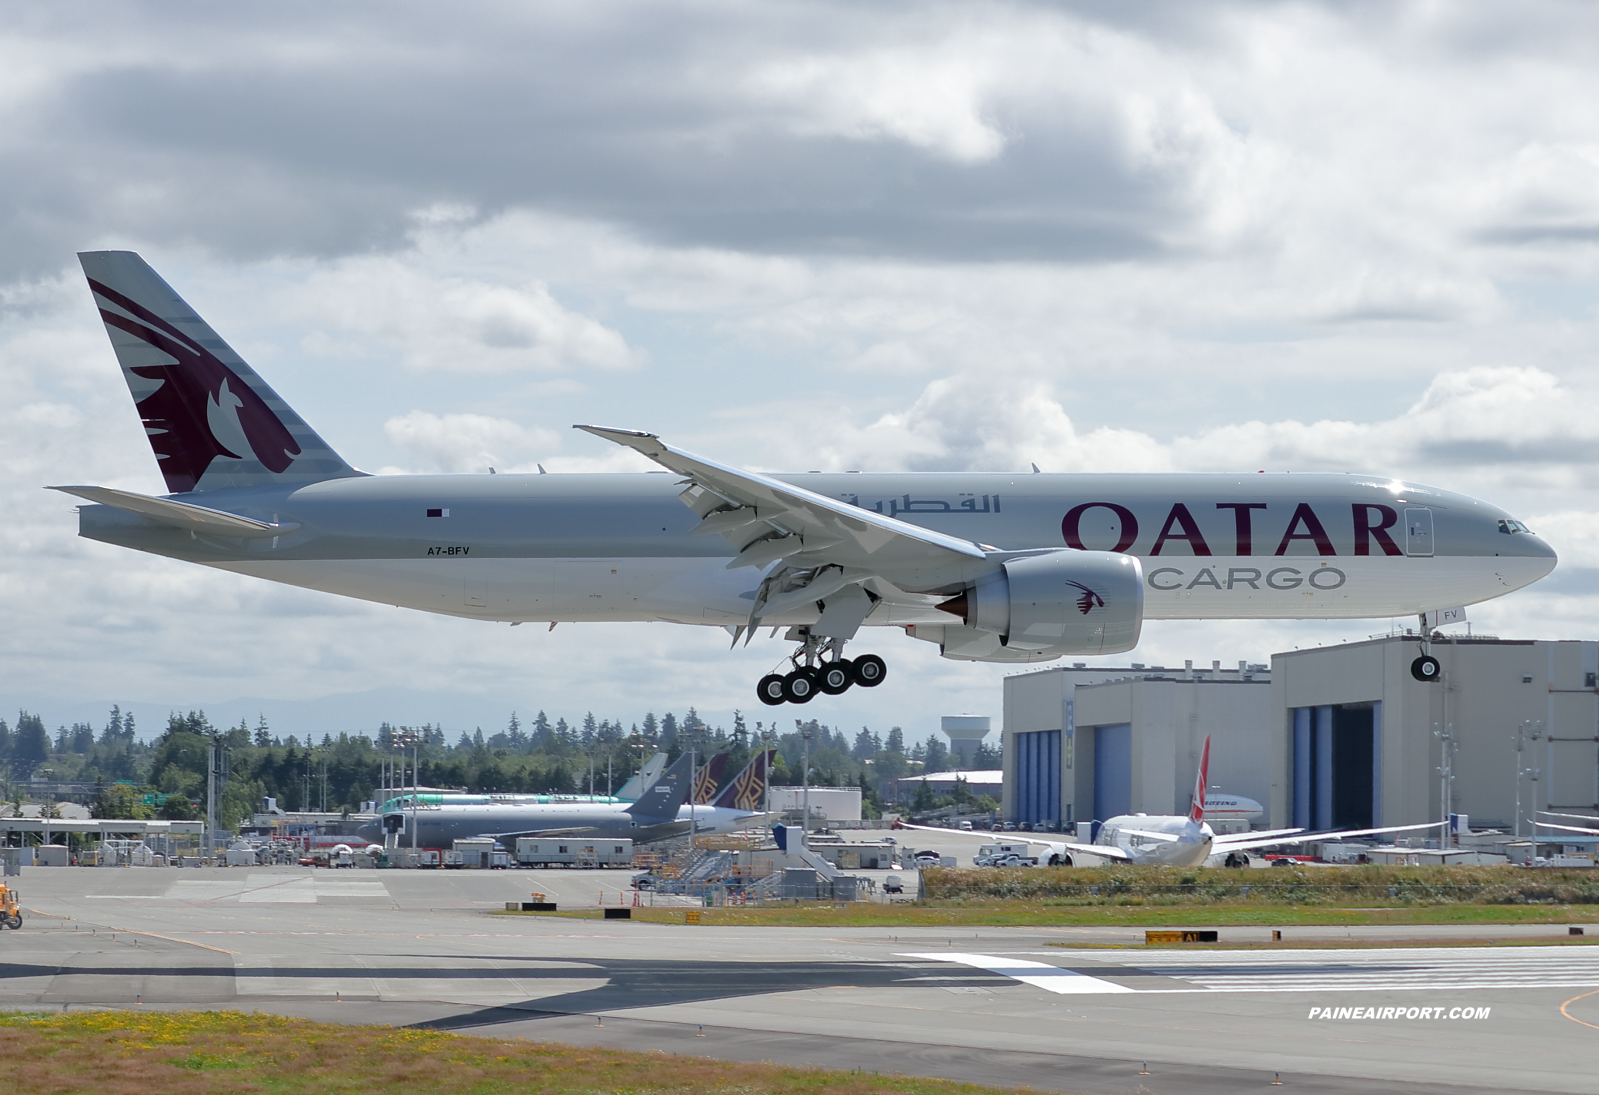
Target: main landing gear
point(819, 666)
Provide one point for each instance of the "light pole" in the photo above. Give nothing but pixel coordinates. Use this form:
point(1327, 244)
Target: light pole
point(1529, 730)
point(805, 776)
point(1446, 774)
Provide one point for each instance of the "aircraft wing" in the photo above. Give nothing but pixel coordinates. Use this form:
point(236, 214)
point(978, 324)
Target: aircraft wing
point(1147, 835)
point(1567, 828)
point(1288, 836)
point(575, 830)
point(1105, 851)
point(767, 520)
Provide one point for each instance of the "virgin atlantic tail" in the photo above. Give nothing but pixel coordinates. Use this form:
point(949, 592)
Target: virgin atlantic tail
point(212, 422)
point(1196, 805)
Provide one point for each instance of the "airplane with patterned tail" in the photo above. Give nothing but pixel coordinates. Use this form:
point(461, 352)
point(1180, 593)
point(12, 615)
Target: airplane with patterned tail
point(989, 567)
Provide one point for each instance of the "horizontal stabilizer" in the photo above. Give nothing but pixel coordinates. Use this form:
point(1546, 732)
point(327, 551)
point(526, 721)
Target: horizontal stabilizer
point(183, 515)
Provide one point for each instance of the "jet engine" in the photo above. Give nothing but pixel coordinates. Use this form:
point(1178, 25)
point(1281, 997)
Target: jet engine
point(1055, 603)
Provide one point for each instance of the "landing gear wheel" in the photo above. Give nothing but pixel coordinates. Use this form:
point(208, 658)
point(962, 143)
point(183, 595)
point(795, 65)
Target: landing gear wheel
point(800, 686)
point(870, 670)
point(1425, 669)
point(770, 690)
point(836, 677)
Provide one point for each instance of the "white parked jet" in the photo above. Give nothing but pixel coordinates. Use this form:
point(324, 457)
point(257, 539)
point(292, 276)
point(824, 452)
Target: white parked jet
point(1175, 840)
point(1008, 568)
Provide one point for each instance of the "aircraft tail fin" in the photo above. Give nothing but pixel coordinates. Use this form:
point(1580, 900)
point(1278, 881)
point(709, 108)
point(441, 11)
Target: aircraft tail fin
point(666, 794)
point(640, 781)
point(212, 421)
point(1196, 805)
point(748, 789)
point(707, 778)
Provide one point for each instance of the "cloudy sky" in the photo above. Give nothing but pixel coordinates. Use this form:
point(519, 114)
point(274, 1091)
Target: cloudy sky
point(1096, 236)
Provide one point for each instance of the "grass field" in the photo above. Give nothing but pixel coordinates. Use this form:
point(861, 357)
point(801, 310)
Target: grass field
point(221, 1053)
point(1128, 896)
point(1035, 914)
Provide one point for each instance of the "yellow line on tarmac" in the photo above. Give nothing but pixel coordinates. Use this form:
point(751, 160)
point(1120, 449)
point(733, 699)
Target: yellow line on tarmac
point(1573, 1000)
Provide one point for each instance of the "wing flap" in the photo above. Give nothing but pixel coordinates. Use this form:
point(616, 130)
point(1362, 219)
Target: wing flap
point(814, 522)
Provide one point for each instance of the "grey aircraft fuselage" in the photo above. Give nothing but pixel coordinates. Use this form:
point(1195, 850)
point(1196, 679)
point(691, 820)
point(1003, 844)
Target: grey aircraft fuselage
point(617, 547)
point(440, 826)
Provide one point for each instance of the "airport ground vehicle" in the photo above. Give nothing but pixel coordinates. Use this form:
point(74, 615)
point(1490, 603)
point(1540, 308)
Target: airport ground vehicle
point(10, 910)
point(893, 884)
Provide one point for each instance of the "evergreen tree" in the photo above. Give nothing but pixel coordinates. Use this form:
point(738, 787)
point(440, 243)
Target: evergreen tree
point(896, 740)
point(924, 797)
point(865, 748)
point(30, 744)
point(652, 729)
point(477, 738)
point(465, 744)
point(741, 733)
point(541, 731)
point(590, 731)
point(127, 727)
point(515, 738)
point(263, 733)
point(113, 728)
point(668, 731)
point(935, 758)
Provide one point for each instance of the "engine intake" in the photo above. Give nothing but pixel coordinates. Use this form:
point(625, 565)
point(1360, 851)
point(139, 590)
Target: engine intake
point(1060, 602)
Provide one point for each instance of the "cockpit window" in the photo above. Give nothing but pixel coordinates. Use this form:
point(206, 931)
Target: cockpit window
point(1512, 527)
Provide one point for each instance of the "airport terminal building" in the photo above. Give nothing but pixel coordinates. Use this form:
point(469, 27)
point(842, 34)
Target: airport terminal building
point(1341, 736)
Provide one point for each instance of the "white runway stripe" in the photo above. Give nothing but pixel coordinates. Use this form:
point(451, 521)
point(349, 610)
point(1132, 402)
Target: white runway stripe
point(1039, 974)
point(1351, 971)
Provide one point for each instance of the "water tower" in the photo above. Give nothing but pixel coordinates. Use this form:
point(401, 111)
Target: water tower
point(966, 733)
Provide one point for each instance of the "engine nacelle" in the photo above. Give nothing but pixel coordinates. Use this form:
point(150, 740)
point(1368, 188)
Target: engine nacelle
point(1058, 603)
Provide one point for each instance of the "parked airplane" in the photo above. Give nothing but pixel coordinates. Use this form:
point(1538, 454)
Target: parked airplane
point(653, 817)
point(991, 567)
point(636, 785)
point(505, 819)
point(1177, 840)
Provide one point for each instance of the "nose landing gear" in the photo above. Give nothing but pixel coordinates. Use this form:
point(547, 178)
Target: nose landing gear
point(814, 671)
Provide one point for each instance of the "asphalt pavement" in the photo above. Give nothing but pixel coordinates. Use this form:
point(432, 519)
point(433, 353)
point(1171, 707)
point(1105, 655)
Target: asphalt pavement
point(1044, 1007)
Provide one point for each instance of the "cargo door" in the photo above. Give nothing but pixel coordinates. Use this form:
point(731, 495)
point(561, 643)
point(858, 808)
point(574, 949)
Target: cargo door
point(1418, 531)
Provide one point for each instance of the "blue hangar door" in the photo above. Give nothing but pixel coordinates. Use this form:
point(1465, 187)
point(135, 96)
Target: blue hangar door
point(1037, 776)
point(1113, 770)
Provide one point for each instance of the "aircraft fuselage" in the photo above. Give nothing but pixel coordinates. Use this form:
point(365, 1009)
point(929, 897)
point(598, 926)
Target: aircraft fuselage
point(617, 547)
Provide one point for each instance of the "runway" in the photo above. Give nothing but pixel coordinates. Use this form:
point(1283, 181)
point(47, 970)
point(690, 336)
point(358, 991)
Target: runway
point(999, 1005)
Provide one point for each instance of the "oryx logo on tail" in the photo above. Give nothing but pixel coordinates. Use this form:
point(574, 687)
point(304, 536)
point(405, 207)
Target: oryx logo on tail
point(202, 409)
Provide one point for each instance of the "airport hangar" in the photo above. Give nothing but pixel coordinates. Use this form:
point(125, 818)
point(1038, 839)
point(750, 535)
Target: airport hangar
point(1339, 736)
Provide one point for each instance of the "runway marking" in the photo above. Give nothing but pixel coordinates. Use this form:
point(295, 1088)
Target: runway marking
point(1573, 1000)
point(1038, 974)
point(1372, 971)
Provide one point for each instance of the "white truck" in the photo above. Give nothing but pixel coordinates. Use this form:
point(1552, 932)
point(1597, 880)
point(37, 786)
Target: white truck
point(573, 852)
point(1017, 853)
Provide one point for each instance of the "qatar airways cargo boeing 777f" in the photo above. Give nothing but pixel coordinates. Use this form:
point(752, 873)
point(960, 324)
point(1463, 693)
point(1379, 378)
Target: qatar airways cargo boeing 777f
point(991, 567)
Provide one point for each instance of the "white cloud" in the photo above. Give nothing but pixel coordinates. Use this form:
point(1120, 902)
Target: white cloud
point(456, 324)
point(468, 442)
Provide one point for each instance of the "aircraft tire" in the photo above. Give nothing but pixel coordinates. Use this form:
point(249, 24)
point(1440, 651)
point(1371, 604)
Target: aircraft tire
point(771, 690)
point(1426, 669)
point(800, 686)
point(870, 670)
point(836, 677)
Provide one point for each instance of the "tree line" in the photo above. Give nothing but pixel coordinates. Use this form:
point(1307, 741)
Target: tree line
point(167, 776)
